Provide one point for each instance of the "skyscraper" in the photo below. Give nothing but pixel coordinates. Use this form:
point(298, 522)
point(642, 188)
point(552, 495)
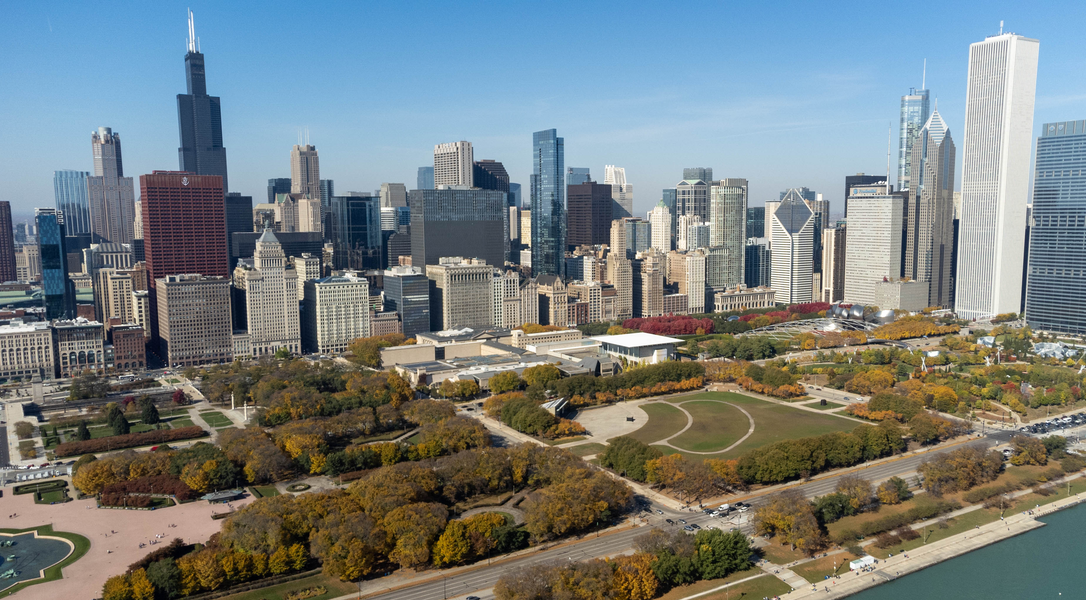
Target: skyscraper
point(472, 223)
point(859, 179)
point(305, 171)
point(407, 291)
point(660, 227)
point(638, 236)
point(728, 226)
point(929, 224)
point(692, 198)
point(702, 173)
point(393, 195)
point(356, 232)
point(70, 191)
point(461, 293)
point(199, 120)
point(872, 241)
point(589, 210)
point(1057, 266)
point(110, 194)
point(995, 175)
point(548, 203)
point(621, 192)
point(669, 196)
point(425, 180)
point(58, 292)
point(756, 222)
point(833, 264)
point(279, 185)
point(239, 219)
point(7, 244)
point(271, 295)
point(514, 195)
point(914, 114)
point(453, 164)
point(184, 224)
point(577, 175)
point(490, 175)
point(792, 233)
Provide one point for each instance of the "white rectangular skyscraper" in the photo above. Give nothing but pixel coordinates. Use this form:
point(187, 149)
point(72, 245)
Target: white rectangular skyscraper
point(453, 164)
point(995, 175)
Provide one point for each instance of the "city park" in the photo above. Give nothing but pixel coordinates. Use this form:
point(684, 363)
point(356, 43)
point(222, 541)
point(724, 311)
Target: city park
point(770, 408)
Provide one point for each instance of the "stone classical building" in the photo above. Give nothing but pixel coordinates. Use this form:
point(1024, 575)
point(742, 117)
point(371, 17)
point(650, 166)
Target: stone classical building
point(271, 296)
point(80, 346)
point(743, 298)
point(26, 349)
point(194, 324)
point(336, 312)
point(460, 293)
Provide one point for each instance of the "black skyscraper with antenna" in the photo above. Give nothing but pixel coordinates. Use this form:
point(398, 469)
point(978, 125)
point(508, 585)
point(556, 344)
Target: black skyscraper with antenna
point(199, 119)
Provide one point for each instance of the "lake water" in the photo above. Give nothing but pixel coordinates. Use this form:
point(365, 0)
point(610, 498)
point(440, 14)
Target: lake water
point(1046, 563)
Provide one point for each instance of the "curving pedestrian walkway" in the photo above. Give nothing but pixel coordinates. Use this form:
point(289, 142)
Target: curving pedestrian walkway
point(690, 423)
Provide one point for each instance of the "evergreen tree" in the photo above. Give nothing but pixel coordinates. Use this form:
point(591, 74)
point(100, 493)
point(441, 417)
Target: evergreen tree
point(120, 426)
point(150, 414)
point(82, 434)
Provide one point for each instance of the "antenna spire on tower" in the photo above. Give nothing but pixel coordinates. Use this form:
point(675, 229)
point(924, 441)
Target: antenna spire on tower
point(924, 81)
point(889, 136)
point(192, 33)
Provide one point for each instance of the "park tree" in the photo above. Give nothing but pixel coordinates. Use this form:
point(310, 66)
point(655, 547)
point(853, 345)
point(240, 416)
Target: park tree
point(414, 527)
point(453, 547)
point(628, 456)
point(367, 351)
point(541, 374)
point(120, 425)
point(718, 554)
point(117, 588)
point(858, 490)
point(142, 588)
point(179, 398)
point(633, 578)
point(149, 414)
point(959, 470)
point(166, 577)
point(426, 412)
point(893, 491)
point(791, 518)
point(1028, 450)
point(506, 381)
point(24, 430)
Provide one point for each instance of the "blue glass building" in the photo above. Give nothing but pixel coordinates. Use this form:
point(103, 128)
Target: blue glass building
point(577, 175)
point(756, 222)
point(548, 198)
point(356, 232)
point(914, 113)
point(425, 179)
point(407, 291)
point(1056, 273)
point(70, 190)
point(514, 195)
point(58, 291)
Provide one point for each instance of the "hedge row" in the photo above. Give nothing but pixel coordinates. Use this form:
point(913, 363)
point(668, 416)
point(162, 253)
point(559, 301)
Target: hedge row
point(129, 440)
point(44, 486)
point(156, 484)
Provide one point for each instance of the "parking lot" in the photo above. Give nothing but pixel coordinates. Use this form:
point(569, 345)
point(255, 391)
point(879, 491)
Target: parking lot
point(1072, 427)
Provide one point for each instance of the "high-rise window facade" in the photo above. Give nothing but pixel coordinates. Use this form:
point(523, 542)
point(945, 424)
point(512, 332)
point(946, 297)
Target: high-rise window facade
point(58, 292)
point(425, 178)
point(589, 214)
point(111, 195)
point(70, 190)
point(1056, 281)
point(728, 226)
point(577, 175)
point(548, 203)
point(356, 232)
point(995, 175)
point(692, 198)
point(453, 164)
point(305, 171)
point(458, 222)
point(7, 244)
point(914, 113)
point(929, 224)
point(792, 250)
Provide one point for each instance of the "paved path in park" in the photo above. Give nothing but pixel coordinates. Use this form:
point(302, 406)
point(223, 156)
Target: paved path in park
point(505, 507)
point(690, 423)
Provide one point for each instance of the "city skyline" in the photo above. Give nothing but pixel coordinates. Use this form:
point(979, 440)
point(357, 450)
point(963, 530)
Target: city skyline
point(363, 142)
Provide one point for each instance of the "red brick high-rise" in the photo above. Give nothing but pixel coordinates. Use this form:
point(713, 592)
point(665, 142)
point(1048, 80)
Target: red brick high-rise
point(184, 228)
point(184, 224)
point(7, 243)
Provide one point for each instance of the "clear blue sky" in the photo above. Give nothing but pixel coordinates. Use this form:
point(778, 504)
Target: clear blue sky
point(787, 94)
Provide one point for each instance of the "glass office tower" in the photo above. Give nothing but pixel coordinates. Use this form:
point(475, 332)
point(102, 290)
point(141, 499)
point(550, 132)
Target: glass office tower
point(914, 113)
point(58, 291)
point(425, 179)
point(548, 203)
point(670, 198)
point(577, 175)
point(1056, 280)
point(70, 190)
point(356, 232)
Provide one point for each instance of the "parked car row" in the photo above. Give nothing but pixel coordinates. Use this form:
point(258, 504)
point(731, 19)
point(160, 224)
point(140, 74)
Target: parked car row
point(1057, 424)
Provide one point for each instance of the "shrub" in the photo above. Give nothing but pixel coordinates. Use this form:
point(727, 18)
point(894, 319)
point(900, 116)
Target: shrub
point(129, 440)
point(24, 429)
point(907, 534)
point(887, 540)
point(155, 484)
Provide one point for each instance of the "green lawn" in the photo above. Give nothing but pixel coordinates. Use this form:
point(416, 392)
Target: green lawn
point(780, 554)
point(379, 437)
point(664, 421)
point(716, 426)
point(829, 405)
point(565, 440)
point(587, 449)
point(54, 572)
point(765, 586)
point(816, 570)
point(777, 422)
point(216, 419)
point(51, 497)
point(334, 586)
point(179, 422)
point(264, 491)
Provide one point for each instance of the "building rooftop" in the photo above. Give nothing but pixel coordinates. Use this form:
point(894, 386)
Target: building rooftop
point(637, 340)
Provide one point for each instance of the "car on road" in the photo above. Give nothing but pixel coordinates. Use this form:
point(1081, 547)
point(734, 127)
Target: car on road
point(472, 598)
point(683, 521)
point(659, 512)
point(695, 526)
point(688, 528)
point(669, 521)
